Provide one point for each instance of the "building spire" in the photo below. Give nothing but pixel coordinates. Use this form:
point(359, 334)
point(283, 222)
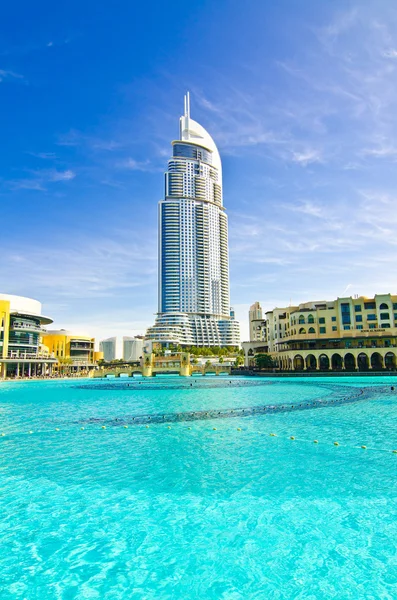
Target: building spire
point(186, 99)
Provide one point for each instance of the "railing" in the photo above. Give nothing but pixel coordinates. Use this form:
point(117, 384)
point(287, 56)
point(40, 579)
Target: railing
point(29, 355)
point(83, 348)
point(24, 326)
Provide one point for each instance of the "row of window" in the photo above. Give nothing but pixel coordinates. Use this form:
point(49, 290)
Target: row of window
point(345, 310)
point(346, 319)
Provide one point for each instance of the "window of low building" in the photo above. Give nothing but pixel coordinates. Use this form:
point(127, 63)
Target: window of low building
point(359, 326)
point(359, 318)
point(321, 320)
point(358, 307)
point(323, 329)
point(384, 316)
point(371, 317)
point(369, 305)
point(372, 326)
point(333, 318)
point(334, 328)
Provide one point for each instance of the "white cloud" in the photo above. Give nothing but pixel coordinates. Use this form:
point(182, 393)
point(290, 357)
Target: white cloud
point(41, 179)
point(60, 175)
point(9, 75)
point(135, 165)
point(306, 157)
point(390, 53)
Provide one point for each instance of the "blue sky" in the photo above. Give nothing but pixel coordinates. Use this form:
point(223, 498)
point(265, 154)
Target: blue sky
point(301, 99)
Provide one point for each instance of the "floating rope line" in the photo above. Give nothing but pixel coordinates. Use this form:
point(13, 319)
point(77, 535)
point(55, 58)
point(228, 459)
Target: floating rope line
point(337, 398)
point(278, 438)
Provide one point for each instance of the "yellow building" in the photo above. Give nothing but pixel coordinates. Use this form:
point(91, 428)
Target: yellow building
point(22, 353)
point(347, 334)
point(74, 352)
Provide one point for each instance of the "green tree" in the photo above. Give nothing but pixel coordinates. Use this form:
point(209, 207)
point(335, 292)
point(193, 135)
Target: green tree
point(264, 361)
point(221, 360)
point(239, 361)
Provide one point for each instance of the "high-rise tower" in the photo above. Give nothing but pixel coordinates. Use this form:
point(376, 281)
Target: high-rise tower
point(193, 246)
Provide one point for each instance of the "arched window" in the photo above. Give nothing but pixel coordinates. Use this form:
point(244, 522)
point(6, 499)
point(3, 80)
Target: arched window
point(312, 330)
point(301, 319)
point(384, 317)
point(302, 330)
point(310, 319)
point(383, 306)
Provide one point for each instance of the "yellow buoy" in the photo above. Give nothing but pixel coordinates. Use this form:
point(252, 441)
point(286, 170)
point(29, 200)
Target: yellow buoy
point(238, 428)
point(3, 434)
point(56, 429)
point(30, 431)
point(291, 437)
point(214, 429)
point(273, 435)
point(168, 427)
point(103, 426)
point(189, 427)
point(364, 447)
point(125, 426)
point(147, 426)
point(315, 441)
point(394, 451)
point(81, 428)
point(336, 443)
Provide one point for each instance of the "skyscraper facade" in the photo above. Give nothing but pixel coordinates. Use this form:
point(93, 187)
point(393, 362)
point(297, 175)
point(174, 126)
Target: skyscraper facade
point(193, 302)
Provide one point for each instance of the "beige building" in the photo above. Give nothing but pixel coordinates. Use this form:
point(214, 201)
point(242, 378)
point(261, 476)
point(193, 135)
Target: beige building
point(354, 333)
point(257, 323)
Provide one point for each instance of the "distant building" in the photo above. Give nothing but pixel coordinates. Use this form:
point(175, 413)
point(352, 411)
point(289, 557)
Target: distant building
point(257, 323)
point(344, 334)
point(132, 348)
point(109, 348)
point(22, 353)
point(74, 351)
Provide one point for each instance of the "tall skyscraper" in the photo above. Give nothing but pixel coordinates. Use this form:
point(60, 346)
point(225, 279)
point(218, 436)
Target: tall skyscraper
point(193, 302)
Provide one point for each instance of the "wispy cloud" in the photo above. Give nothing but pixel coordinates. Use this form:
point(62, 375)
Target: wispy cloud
point(40, 180)
point(135, 165)
point(44, 155)
point(306, 157)
point(390, 53)
point(9, 76)
point(77, 138)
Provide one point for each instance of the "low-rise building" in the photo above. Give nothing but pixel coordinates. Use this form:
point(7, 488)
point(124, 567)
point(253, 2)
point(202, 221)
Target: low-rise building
point(74, 352)
point(353, 333)
point(132, 348)
point(109, 349)
point(22, 353)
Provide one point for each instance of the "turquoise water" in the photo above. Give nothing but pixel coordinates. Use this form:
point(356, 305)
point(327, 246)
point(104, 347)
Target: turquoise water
point(180, 510)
